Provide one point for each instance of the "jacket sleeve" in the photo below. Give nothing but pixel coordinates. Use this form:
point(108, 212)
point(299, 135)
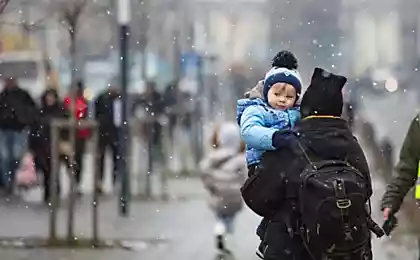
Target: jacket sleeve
point(253, 131)
point(406, 170)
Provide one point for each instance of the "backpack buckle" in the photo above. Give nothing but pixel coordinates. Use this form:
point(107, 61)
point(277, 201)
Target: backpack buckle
point(343, 203)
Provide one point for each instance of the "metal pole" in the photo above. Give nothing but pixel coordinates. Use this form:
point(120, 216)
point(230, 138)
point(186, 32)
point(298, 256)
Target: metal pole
point(72, 175)
point(53, 182)
point(199, 114)
point(149, 124)
point(57, 125)
point(72, 133)
point(124, 20)
point(164, 173)
point(95, 224)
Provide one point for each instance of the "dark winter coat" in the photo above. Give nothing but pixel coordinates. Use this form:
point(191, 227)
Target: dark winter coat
point(325, 139)
point(17, 109)
point(104, 114)
point(40, 132)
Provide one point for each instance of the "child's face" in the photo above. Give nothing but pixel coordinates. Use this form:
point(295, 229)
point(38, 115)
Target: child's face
point(281, 96)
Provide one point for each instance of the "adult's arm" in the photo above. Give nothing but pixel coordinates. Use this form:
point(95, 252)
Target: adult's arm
point(406, 169)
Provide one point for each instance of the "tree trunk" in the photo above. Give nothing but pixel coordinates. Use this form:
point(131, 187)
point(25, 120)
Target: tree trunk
point(73, 58)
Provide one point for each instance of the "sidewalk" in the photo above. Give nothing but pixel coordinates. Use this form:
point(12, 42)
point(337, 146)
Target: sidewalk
point(178, 229)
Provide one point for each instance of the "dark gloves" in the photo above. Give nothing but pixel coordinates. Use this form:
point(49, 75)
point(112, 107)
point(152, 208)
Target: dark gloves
point(283, 138)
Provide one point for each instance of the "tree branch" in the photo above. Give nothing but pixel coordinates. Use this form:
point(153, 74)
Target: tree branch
point(3, 4)
point(70, 13)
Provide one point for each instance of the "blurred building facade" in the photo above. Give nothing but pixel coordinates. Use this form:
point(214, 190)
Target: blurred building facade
point(349, 36)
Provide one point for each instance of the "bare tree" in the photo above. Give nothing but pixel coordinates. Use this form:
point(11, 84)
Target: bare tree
point(69, 13)
point(143, 31)
point(3, 4)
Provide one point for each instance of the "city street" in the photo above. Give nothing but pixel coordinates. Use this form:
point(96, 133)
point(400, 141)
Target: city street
point(178, 229)
point(182, 228)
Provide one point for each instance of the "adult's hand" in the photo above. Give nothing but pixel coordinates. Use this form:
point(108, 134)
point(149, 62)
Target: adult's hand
point(387, 213)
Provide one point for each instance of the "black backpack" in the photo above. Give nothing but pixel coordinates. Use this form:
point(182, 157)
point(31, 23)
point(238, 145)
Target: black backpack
point(334, 222)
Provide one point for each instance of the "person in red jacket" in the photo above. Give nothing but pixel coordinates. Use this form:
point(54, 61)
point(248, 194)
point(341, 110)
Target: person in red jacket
point(81, 111)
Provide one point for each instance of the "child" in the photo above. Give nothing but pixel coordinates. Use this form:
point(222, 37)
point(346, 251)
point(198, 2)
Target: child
point(223, 173)
point(262, 118)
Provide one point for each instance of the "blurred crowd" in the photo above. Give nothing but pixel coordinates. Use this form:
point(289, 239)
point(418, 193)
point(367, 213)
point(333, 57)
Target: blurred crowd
point(26, 133)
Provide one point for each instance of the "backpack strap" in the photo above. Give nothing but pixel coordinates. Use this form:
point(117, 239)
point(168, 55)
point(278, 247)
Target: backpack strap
point(322, 163)
point(305, 154)
point(343, 203)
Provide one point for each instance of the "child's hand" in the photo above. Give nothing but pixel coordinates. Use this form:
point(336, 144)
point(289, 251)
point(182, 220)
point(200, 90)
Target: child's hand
point(282, 138)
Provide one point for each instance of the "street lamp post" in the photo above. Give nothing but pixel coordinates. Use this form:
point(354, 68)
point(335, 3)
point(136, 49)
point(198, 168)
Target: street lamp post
point(124, 17)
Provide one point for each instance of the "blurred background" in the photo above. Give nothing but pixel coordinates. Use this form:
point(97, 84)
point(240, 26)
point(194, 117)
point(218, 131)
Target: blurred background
point(188, 61)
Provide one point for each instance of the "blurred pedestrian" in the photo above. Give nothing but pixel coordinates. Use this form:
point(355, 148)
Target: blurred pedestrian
point(81, 112)
point(108, 130)
point(40, 138)
point(17, 113)
point(223, 172)
point(153, 103)
point(170, 101)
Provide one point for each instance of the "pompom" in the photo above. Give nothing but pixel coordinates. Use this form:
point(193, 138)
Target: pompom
point(285, 59)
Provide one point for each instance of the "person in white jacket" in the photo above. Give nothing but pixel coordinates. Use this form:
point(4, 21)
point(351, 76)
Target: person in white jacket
point(223, 172)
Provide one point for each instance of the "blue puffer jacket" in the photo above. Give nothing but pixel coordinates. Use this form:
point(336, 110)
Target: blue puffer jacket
point(258, 122)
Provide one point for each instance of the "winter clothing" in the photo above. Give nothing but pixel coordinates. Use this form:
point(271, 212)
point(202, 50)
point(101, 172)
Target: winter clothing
point(12, 149)
point(154, 106)
point(282, 138)
point(326, 137)
point(40, 137)
point(224, 171)
point(17, 112)
point(406, 169)
point(260, 126)
point(108, 138)
point(282, 75)
point(81, 111)
point(255, 92)
point(285, 59)
point(104, 114)
point(259, 122)
point(17, 109)
point(324, 95)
